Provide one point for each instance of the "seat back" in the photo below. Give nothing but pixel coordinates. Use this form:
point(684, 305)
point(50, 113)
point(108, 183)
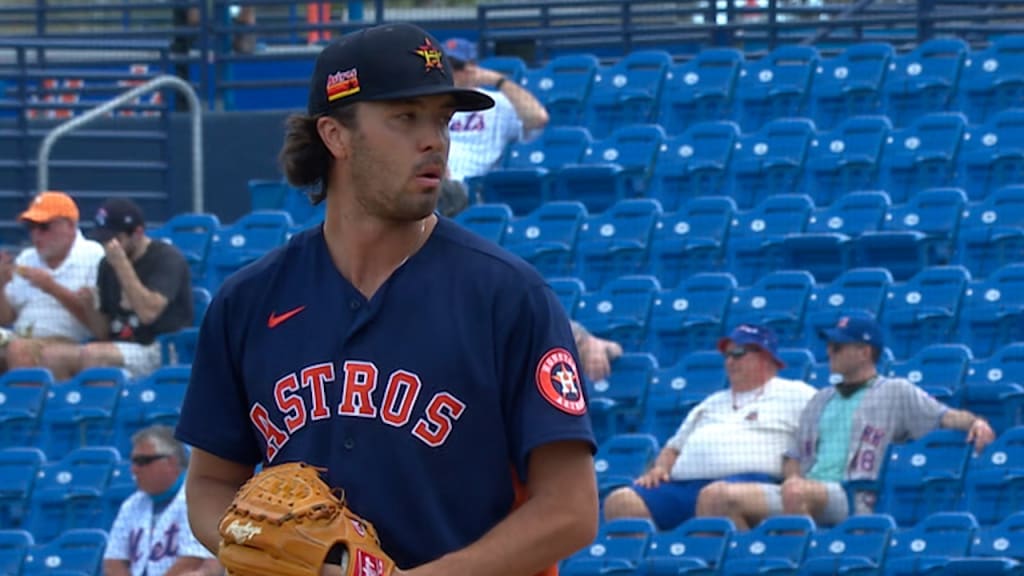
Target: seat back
point(925, 309)
point(861, 290)
point(991, 232)
point(851, 83)
point(616, 242)
point(556, 146)
point(78, 551)
point(18, 469)
point(627, 92)
point(865, 536)
point(690, 316)
point(489, 221)
point(778, 540)
point(701, 89)
point(777, 85)
point(846, 158)
point(569, 290)
point(692, 239)
point(993, 309)
point(925, 80)
point(992, 80)
point(694, 163)
point(992, 155)
point(23, 393)
point(778, 300)
point(1005, 539)
point(924, 476)
point(923, 155)
point(563, 85)
point(69, 493)
point(547, 237)
point(80, 412)
point(943, 533)
point(994, 487)
point(620, 311)
point(771, 160)
point(940, 369)
point(852, 214)
point(697, 539)
point(14, 547)
point(617, 402)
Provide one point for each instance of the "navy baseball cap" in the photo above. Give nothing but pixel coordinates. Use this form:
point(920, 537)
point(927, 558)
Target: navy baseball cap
point(861, 329)
point(116, 216)
point(460, 50)
point(754, 335)
point(387, 62)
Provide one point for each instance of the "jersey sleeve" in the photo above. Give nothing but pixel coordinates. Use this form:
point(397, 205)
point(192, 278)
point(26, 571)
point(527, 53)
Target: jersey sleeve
point(919, 411)
point(544, 395)
point(117, 542)
point(214, 414)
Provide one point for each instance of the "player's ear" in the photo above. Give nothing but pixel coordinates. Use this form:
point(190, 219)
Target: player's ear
point(333, 135)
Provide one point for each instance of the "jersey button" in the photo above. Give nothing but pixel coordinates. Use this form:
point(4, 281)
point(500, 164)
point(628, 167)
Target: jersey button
point(354, 304)
point(349, 443)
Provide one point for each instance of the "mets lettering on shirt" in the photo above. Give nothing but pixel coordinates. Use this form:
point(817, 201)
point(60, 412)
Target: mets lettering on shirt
point(302, 397)
point(160, 549)
point(468, 122)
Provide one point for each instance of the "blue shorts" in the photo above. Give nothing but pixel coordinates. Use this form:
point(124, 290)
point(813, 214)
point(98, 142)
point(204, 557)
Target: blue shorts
point(675, 502)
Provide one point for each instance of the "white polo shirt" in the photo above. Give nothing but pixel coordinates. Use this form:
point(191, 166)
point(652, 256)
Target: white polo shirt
point(40, 315)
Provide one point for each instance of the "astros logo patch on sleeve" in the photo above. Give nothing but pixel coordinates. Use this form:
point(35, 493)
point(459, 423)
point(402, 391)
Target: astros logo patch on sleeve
point(559, 382)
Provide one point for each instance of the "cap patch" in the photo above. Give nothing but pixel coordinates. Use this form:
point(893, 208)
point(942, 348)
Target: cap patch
point(559, 382)
point(431, 56)
point(342, 83)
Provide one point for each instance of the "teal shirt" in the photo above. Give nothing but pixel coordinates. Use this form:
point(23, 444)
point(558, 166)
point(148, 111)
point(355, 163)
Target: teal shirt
point(834, 438)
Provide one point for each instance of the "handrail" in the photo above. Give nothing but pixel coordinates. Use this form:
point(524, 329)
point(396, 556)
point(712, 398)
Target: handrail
point(156, 83)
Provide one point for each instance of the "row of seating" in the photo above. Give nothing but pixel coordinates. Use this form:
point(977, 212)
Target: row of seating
point(72, 553)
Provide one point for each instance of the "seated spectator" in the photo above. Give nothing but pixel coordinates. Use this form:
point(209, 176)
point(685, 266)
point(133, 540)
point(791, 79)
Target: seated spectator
point(735, 435)
point(151, 534)
point(38, 296)
point(596, 354)
point(143, 289)
point(871, 409)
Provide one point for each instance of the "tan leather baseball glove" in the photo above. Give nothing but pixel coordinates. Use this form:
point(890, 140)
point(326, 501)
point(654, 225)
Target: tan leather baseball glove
point(285, 521)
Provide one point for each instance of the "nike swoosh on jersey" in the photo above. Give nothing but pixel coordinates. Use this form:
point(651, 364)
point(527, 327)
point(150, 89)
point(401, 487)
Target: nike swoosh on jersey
point(276, 319)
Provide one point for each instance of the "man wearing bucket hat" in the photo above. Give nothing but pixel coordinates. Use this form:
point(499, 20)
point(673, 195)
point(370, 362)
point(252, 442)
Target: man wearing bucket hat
point(866, 406)
point(435, 374)
point(736, 435)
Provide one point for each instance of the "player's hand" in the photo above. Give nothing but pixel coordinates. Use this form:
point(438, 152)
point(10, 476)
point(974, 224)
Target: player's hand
point(981, 434)
point(653, 477)
point(86, 296)
point(6, 268)
point(37, 277)
point(115, 253)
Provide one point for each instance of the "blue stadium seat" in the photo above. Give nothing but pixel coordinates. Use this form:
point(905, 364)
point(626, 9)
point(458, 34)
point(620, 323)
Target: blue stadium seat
point(692, 239)
point(119, 488)
point(857, 545)
point(511, 67)
point(846, 158)
point(927, 546)
point(694, 163)
point(697, 546)
point(993, 156)
point(201, 299)
point(621, 310)
point(18, 469)
point(69, 493)
point(701, 89)
point(178, 347)
point(993, 78)
point(994, 310)
point(925, 309)
point(939, 369)
point(627, 92)
point(777, 85)
point(563, 85)
point(489, 221)
point(676, 389)
point(778, 300)
point(252, 236)
point(547, 237)
point(994, 388)
point(612, 169)
point(798, 363)
point(618, 549)
point(826, 248)
point(569, 290)
point(192, 234)
point(994, 483)
point(755, 241)
point(616, 404)
point(923, 155)
point(777, 545)
point(80, 412)
point(22, 397)
point(155, 399)
point(690, 316)
point(992, 233)
point(923, 476)
point(771, 161)
point(616, 242)
point(523, 181)
point(622, 458)
point(77, 552)
point(1002, 541)
point(924, 80)
point(922, 232)
point(862, 290)
point(850, 84)
point(14, 547)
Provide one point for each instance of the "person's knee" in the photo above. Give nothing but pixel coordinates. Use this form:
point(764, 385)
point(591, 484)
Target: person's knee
point(20, 354)
point(793, 495)
point(624, 503)
point(90, 356)
point(714, 498)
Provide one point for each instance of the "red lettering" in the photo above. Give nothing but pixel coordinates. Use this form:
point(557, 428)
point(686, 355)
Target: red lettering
point(434, 429)
point(316, 376)
point(272, 435)
point(403, 388)
point(289, 403)
point(360, 381)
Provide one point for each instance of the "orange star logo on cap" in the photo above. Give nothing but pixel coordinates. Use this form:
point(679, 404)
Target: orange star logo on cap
point(431, 55)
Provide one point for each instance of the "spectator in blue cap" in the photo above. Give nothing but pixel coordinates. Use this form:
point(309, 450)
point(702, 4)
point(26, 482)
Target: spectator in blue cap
point(871, 409)
point(738, 434)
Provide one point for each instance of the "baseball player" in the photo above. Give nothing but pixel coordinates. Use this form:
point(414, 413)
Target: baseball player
point(430, 373)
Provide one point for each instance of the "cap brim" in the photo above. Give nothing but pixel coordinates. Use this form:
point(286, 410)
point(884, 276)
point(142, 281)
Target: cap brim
point(37, 216)
point(102, 235)
point(834, 335)
point(723, 345)
point(466, 100)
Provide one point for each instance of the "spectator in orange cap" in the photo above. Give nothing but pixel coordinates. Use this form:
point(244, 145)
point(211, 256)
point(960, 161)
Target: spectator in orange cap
point(38, 300)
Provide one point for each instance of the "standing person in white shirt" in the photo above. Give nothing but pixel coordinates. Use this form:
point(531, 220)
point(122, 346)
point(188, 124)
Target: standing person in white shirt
point(478, 139)
point(151, 535)
point(38, 287)
point(735, 435)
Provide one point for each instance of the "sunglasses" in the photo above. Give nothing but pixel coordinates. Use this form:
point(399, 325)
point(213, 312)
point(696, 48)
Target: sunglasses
point(457, 65)
point(738, 352)
point(40, 226)
point(147, 459)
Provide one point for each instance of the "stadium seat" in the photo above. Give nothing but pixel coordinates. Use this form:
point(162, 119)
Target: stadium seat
point(616, 404)
point(618, 549)
point(80, 412)
point(857, 545)
point(22, 397)
point(862, 290)
point(777, 545)
point(622, 458)
point(155, 399)
point(489, 221)
point(701, 89)
point(621, 310)
point(1003, 541)
point(627, 92)
point(846, 159)
point(923, 155)
point(994, 388)
point(18, 469)
point(14, 547)
point(993, 156)
point(68, 493)
point(923, 476)
point(693, 164)
point(612, 168)
point(994, 310)
point(692, 239)
point(697, 546)
point(616, 242)
point(770, 161)
point(77, 552)
point(563, 86)
point(511, 67)
point(925, 309)
point(993, 78)
point(192, 234)
point(547, 237)
point(994, 483)
point(569, 290)
point(778, 300)
point(924, 80)
point(798, 363)
point(777, 85)
point(280, 195)
point(992, 233)
point(755, 241)
point(826, 248)
point(201, 299)
point(922, 232)
point(119, 488)
point(928, 545)
point(939, 369)
point(178, 347)
point(677, 388)
point(850, 84)
point(690, 316)
point(252, 236)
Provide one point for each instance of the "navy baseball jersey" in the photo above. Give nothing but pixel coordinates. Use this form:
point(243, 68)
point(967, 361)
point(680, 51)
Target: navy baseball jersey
point(423, 402)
